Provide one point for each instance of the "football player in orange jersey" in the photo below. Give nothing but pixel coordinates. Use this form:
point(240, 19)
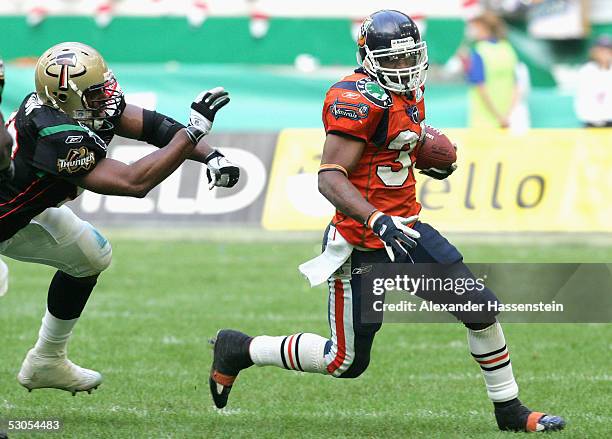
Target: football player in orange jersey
point(374, 119)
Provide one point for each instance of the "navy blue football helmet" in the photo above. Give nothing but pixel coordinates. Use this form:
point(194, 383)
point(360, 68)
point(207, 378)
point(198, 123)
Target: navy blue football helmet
point(390, 50)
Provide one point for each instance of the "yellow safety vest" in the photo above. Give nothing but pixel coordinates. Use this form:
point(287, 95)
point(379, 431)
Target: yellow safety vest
point(499, 59)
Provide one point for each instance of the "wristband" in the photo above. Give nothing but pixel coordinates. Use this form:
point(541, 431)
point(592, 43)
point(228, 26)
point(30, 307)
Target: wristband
point(333, 167)
point(212, 155)
point(372, 217)
point(194, 134)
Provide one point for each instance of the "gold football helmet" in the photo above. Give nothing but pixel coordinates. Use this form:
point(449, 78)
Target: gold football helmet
point(74, 78)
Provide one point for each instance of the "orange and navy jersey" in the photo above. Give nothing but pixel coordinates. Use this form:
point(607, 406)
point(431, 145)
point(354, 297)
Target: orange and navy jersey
point(391, 125)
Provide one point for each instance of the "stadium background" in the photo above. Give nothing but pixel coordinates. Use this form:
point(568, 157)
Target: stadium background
point(537, 196)
point(278, 80)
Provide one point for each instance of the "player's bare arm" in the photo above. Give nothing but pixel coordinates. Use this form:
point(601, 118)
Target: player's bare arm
point(158, 129)
point(343, 154)
point(112, 177)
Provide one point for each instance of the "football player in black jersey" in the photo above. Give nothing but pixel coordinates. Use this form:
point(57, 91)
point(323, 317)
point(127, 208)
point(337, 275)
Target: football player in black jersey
point(61, 133)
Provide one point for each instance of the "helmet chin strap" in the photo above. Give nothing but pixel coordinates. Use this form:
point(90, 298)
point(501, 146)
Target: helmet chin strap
point(50, 97)
point(75, 89)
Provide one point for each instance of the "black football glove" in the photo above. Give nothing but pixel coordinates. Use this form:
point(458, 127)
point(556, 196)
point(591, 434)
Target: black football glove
point(203, 111)
point(221, 172)
point(439, 174)
point(394, 233)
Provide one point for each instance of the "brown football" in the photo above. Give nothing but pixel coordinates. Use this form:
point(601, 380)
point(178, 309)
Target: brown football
point(435, 151)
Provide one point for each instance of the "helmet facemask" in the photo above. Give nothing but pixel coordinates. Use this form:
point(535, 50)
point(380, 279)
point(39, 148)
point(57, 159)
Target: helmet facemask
point(399, 69)
point(101, 106)
point(101, 103)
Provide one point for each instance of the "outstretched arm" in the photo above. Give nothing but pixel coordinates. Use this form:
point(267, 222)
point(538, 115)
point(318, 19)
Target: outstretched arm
point(112, 177)
point(157, 129)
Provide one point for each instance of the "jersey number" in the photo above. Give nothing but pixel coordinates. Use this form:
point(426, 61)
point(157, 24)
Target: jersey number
point(397, 178)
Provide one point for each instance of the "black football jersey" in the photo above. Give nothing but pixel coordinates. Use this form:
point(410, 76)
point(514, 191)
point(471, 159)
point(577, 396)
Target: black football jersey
point(49, 146)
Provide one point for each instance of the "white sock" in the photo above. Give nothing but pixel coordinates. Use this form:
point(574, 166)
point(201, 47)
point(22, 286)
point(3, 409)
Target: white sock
point(53, 336)
point(488, 347)
point(302, 351)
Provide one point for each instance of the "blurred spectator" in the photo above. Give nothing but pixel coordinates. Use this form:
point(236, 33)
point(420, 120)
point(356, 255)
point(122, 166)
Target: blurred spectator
point(492, 72)
point(519, 119)
point(593, 102)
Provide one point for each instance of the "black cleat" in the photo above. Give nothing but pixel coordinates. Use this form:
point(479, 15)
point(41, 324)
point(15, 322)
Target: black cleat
point(517, 417)
point(231, 355)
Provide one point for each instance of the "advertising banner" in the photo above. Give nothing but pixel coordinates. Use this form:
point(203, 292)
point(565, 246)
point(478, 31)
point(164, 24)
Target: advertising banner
point(546, 180)
point(184, 197)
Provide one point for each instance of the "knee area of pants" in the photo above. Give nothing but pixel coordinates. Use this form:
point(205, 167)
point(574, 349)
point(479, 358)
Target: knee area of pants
point(97, 252)
point(102, 260)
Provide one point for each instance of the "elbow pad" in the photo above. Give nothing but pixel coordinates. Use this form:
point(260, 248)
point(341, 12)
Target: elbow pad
point(158, 129)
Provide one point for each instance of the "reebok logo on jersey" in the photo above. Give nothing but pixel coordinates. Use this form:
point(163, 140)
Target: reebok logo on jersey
point(76, 160)
point(362, 270)
point(73, 139)
point(350, 95)
point(349, 110)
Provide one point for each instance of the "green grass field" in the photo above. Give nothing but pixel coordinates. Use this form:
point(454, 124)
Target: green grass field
point(148, 322)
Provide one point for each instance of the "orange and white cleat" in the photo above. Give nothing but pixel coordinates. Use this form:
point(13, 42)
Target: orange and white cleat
point(231, 355)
